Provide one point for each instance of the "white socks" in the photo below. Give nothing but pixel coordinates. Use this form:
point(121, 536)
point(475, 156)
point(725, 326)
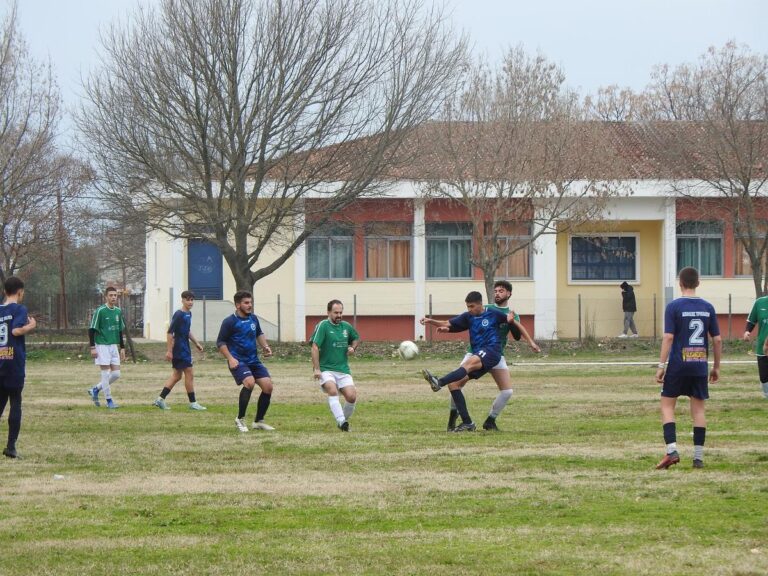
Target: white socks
point(499, 403)
point(114, 375)
point(336, 410)
point(349, 409)
point(104, 384)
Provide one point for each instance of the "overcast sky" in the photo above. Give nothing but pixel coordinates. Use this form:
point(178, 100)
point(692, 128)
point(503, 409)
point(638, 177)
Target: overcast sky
point(597, 42)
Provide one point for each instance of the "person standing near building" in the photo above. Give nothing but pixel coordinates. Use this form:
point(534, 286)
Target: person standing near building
point(179, 354)
point(486, 347)
point(502, 292)
point(689, 322)
point(15, 323)
point(238, 338)
point(758, 316)
point(629, 306)
point(333, 340)
point(107, 347)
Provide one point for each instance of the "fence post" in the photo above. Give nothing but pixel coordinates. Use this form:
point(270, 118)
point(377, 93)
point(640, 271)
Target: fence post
point(579, 308)
point(205, 323)
point(730, 316)
point(429, 332)
point(278, 318)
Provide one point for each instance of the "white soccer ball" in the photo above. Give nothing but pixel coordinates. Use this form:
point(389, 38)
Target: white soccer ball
point(408, 350)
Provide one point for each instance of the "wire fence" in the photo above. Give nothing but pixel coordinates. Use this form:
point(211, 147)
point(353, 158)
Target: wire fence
point(55, 313)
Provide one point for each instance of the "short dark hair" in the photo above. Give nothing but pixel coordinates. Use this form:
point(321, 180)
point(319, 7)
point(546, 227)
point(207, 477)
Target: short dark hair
point(110, 289)
point(473, 296)
point(12, 285)
point(333, 302)
point(187, 294)
point(504, 284)
point(241, 295)
point(689, 277)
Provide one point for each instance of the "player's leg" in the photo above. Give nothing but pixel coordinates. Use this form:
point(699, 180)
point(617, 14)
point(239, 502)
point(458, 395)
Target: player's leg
point(264, 381)
point(453, 414)
point(14, 422)
point(461, 406)
point(699, 431)
point(167, 387)
point(474, 362)
point(670, 432)
point(632, 325)
point(500, 375)
point(114, 374)
point(762, 369)
point(347, 389)
point(189, 386)
point(248, 382)
point(329, 387)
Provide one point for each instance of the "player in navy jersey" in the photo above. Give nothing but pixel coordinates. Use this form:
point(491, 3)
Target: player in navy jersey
point(689, 322)
point(486, 347)
point(14, 325)
point(179, 354)
point(237, 341)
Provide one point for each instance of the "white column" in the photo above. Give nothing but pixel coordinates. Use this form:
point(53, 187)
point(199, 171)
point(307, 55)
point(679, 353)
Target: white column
point(669, 255)
point(300, 286)
point(179, 279)
point(419, 268)
point(545, 279)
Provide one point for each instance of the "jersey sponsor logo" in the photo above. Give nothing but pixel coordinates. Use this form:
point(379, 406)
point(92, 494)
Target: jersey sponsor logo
point(485, 322)
point(694, 354)
point(697, 313)
point(6, 353)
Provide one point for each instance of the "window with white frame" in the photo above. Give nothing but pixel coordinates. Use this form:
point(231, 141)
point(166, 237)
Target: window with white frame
point(449, 249)
point(329, 254)
point(700, 244)
point(515, 241)
point(388, 250)
point(604, 258)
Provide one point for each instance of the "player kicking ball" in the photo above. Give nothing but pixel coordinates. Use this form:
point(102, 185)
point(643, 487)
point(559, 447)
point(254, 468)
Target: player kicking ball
point(486, 347)
point(689, 322)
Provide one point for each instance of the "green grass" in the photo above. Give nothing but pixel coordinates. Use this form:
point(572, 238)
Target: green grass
point(567, 487)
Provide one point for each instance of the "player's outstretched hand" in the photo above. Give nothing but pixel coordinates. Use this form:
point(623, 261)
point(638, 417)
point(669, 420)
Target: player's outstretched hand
point(535, 347)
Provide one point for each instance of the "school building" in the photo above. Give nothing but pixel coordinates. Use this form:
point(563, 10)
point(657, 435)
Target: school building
point(395, 259)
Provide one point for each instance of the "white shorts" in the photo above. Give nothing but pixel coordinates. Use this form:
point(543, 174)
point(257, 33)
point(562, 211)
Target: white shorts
point(502, 365)
point(339, 378)
point(107, 354)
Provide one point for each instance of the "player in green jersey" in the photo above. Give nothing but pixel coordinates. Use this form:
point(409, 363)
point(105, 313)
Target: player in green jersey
point(107, 347)
point(332, 341)
point(502, 291)
point(759, 317)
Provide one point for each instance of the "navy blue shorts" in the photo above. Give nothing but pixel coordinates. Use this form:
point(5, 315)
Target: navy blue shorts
point(181, 363)
point(489, 358)
point(681, 385)
point(11, 382)
point(258, 371)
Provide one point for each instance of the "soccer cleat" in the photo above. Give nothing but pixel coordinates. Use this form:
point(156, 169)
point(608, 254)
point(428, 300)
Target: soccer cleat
point(241, 425)
point(452, 417)
point(111, 404)
point(261, 425)
point(490, 424)
point(10, 453)
point(668, 460)
point(698, 463)
point(464, 427)
point(160, 403)
point(196, 406)
point(433, 383)
point(344, 426)
point(94, 394)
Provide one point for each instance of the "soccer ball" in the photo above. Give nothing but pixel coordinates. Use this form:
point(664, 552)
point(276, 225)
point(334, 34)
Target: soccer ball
point(407, 350)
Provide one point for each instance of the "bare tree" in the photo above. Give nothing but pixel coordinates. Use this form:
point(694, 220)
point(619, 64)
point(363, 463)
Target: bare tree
point(614, 104)
point(520, 158)
point(30, 165)
point(205, 114)
point(720, 140)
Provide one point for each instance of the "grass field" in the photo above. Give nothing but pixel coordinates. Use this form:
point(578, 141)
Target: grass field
point(567, 486)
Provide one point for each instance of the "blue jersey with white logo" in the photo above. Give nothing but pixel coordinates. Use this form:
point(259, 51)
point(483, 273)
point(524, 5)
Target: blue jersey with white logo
point(692, 320)
point(483, 329)
point(239, 334)
point(180, 327)
point(13, 350)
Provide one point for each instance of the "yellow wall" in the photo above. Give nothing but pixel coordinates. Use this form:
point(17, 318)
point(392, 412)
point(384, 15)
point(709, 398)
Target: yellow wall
point(601, 312)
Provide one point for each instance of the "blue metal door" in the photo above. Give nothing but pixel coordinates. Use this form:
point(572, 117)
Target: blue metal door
point(205, 270)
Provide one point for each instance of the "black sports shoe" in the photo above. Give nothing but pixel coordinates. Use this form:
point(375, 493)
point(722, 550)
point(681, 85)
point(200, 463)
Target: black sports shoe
point(10, 452)
point(433, 382)
point(344, 426)
point(454, 415)
point(698, 463)
point(464, 427)
point(490, 424)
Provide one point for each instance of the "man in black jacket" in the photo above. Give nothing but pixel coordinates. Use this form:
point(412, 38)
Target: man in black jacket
point(629, 305)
